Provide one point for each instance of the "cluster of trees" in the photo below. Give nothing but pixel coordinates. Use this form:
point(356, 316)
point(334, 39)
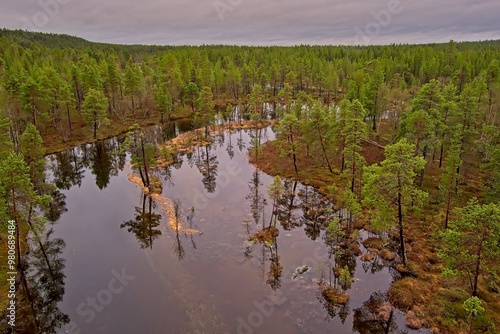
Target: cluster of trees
point(448, 127)
point(434, 108)
point(57, 82)
point(30, 202)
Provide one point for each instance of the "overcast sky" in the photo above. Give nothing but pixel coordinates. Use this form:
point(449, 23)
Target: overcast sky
point(258, 22)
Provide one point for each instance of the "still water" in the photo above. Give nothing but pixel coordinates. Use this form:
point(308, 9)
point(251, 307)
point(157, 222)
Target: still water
point(123, 269)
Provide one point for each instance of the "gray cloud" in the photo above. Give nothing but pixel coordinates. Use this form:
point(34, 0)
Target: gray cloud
point(258, 22)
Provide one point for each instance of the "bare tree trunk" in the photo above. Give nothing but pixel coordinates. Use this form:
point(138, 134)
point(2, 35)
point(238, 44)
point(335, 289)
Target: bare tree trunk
point(400, 221)
point(145, 164)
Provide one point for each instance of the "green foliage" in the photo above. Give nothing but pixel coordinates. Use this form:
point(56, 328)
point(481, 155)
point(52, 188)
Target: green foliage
point(286, 137)
point(492, 168)
point(206, 110)
point(349, 201)
point(276, 188)
point(318, 131)
point(471, 242)
point(389, 188)
point(17, 189)
point(133, 82)
point(163, 103)
point(345, 278)
point(142, 153)
point(395, 175)
point(31, 145)
point(353, 131)
point(421, 124)
point(191, 93)
point(5, 142)
point(473, 307)
point(449, 178)
point(94, 109)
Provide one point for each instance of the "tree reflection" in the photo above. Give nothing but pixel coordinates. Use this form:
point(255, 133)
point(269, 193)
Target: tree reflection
point(333, 294)
point(255, 142)
point(256, 197)
point(287, 205)
point(333, 309)
point(317, 212)
point(56, 207)
point(376, 316)
point(275, 267)
point(267, 237)
point(375, 265)
point(342, 253)
point(101, 163)
point(41, 287)
point(269, 252)
point(168, 131)
point(144, 225)
point(230, 147)
point(207, 164)
point(67, 169)
point(179, 249)
point(240, 142)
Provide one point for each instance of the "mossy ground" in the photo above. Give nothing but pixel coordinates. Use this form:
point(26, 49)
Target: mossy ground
point(54, 141)
point(424, 294)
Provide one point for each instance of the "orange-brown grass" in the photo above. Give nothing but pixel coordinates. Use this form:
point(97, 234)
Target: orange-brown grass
point(186, 142)
point(54, 141)
point(167, 205)
point(311, 170)
point(425, 295)
point(335, 297)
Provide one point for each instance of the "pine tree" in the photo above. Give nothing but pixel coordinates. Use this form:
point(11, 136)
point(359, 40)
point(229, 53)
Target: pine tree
point(471, 243)
point(94, 109)
point(319, 128)
point(389, 187)
point(31, 146)
point(287, 138)
point(191, 93)
point(449, 178)
point(354, 131)
point(205, 112)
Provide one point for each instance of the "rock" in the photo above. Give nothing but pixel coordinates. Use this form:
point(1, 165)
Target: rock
point(299, 271)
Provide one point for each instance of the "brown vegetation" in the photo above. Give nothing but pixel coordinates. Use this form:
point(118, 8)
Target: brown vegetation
point(438, 301)
point(335, 297)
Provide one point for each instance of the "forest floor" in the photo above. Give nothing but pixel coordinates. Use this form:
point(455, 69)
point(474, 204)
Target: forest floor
point(428, 299)
point(54, 142)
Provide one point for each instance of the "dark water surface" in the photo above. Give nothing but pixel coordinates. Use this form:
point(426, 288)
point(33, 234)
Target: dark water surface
point(127, 271)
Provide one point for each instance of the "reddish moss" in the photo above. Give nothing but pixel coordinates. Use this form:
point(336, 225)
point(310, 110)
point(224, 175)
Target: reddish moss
point(334, 296)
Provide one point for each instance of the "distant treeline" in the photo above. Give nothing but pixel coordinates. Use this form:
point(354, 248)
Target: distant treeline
point(47, 77)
